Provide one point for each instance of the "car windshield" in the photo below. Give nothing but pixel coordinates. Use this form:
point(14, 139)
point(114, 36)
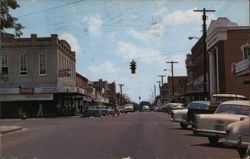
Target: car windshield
point(198, 105)
point(111, 79)
point(233, 109)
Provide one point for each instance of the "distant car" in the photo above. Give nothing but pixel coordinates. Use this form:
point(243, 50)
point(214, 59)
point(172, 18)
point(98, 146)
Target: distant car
point(103, 109)
point(238, 134)
point(111, 111)
point(128, 108)
point(92, 111)
point(174, 106)
point(214, 125)
point(145, 108)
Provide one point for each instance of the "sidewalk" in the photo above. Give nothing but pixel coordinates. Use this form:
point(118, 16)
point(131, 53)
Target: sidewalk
point(7, 129)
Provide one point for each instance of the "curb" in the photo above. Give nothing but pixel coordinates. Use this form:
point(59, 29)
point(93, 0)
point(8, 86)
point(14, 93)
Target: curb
point(4, 132)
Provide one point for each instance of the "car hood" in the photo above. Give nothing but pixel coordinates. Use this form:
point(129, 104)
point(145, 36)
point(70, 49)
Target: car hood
point(240, 127)
point(216, 121)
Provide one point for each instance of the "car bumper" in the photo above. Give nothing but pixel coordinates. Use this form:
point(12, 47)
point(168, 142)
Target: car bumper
point(236, 143)
point(209, 133)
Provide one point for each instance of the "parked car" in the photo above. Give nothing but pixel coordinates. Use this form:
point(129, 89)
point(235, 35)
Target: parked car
point(128, 108)
point(145, 108)
point(111, 111)
point(238, 134)
point(103, 109)
point(92, 111)
point(174, 106)
point(217, 99)
point(195, 107)
point(214, 125)
point(186, 116)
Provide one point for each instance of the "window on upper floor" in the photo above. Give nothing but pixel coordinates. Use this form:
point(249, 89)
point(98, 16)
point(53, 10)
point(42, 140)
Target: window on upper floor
point(246, 52)
point(43, 64)
point(4, 67)
point(23, 65)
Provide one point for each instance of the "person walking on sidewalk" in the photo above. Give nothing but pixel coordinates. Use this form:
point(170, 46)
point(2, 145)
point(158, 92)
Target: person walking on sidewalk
point(40, 111)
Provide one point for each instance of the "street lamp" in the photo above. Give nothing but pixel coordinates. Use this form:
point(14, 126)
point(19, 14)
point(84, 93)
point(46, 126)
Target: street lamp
point(192, 37)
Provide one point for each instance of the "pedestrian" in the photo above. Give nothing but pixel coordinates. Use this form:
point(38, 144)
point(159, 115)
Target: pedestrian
point(58, 108)
point(40, 110)
point(22, 113)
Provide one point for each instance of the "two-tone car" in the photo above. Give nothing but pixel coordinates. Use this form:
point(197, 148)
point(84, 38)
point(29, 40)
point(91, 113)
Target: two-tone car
point(214, 125)
point(238, 134)
point(186, 116)
point(174, 106)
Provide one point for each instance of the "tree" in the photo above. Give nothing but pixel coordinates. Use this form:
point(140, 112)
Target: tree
point(6, 20)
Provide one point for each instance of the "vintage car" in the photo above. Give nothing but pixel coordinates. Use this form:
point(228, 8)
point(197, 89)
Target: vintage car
point(186, 116)
point(174, 106)
point(238, 134)
point(214, 125)
point(195, 107)
point(92, 111)
point(217, 99)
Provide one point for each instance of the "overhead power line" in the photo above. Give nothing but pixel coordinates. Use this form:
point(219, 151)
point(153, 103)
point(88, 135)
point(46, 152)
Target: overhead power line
point(48, 9)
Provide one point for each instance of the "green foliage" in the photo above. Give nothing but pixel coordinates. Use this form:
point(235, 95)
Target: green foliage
point(7, 21)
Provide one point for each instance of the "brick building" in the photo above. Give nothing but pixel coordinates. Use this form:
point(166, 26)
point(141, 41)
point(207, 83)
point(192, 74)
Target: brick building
point(36, 71)
point(225, 41)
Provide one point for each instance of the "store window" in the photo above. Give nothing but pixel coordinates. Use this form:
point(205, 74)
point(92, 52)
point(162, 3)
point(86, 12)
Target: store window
point(4, 68)
point(43, 64)
point(246, 52)
point(23, 65)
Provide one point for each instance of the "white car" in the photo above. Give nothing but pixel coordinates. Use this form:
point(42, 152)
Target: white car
point(238, 134)
point(145, 108)
point(178, 115)
point(214, 125)
point(173, 106)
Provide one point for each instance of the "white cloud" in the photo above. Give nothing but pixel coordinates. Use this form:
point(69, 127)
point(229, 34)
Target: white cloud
point(180, 17)
point(133, 17)
point(130, 51)
point(72, 40)
point(94, 23)
point(105, 70)
point(155, 30)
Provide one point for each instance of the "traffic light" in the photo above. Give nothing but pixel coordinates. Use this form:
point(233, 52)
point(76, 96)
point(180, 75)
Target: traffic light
point(133, 66)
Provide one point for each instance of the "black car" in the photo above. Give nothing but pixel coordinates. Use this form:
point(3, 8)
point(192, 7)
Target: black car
point(92, 111)
point(195, 107)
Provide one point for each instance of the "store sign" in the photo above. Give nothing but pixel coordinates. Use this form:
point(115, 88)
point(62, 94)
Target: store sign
point(47, 90)
point(26, 90)
point(243, 65)
point(26, 97)
point(64, 73)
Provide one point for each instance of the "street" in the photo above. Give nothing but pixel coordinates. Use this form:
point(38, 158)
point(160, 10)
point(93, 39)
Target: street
point(140, 135)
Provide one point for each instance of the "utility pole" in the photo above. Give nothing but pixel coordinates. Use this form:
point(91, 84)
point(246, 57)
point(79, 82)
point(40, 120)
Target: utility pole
point(172, 70)
point(204, 18)
point(162, 87)
point(121, 85)
point(159, 88)
point(155, 90)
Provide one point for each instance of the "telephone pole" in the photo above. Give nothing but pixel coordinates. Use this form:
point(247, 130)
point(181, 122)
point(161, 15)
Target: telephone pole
point(159, 88)
point(172, 70)
point(121, 85)
point(204, 18)
point(162, 93)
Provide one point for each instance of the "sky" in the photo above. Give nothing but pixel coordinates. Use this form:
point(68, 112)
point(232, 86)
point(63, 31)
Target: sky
point(108, 34)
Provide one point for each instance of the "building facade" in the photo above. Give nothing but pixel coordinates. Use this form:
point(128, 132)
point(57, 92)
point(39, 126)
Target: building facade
point(225, 41)
point(36, 71)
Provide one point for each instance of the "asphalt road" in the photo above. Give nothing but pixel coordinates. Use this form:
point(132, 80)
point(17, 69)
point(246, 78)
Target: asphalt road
point(147, 135)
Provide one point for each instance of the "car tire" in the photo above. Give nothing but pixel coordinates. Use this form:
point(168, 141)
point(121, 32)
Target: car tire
point(183, 126)
point(213, 140)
